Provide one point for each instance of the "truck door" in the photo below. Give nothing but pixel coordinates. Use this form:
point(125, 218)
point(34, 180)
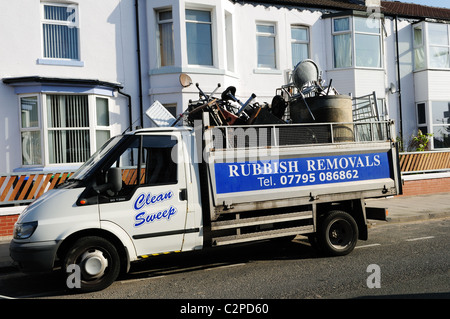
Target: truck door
point(150, 206)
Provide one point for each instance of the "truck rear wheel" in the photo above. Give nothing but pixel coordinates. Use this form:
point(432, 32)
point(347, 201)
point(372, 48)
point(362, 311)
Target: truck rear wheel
point(337, 233)
point(98, 263)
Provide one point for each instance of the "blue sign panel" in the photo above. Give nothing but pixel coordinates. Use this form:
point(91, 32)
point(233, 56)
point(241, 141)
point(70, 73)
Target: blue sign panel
point(293, 172)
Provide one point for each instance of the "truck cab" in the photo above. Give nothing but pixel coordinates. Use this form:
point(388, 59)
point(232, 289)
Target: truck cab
point(127, 202)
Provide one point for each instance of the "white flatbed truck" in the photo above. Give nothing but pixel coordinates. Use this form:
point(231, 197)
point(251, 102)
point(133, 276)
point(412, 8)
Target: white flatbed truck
point(178, 189)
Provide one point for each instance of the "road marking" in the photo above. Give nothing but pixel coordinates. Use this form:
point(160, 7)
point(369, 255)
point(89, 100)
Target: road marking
point(6, 297)
point(420, 238)
point(225, 266)
point(126, 281)
point(370, 245)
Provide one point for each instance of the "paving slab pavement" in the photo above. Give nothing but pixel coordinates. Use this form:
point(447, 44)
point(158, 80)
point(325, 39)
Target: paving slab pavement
point(400, 209)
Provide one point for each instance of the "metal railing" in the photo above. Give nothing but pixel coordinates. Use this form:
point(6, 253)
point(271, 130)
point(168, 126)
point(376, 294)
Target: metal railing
point(229, 137)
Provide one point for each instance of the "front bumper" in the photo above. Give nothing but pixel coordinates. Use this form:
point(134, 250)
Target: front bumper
point(34, 257)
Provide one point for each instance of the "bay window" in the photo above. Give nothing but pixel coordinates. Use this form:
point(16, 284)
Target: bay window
point(65, 129)
point(356, 42)
point(431, 46)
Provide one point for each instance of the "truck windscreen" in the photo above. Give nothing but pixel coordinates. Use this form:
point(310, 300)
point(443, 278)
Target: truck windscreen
point(91, 163)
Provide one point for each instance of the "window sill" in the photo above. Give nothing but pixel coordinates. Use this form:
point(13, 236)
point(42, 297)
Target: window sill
point(191, 69)
point(267, 71)
point(60, 62)
point(432, 69)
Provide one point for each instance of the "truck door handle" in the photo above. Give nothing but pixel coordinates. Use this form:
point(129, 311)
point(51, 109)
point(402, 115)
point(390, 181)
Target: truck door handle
point(183, 194)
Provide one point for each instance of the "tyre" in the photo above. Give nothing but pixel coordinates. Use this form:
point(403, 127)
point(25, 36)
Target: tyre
point(96, 261)
point(337, 233)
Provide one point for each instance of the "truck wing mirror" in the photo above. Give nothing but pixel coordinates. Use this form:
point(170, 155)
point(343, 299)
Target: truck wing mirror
point(114, 178)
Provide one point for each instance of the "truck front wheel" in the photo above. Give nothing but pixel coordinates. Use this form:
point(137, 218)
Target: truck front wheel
point(337, 233)
point(92, 263)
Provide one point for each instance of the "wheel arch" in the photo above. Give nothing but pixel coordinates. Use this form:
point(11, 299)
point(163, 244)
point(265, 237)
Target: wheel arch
point(122, 250)
point(355, 207)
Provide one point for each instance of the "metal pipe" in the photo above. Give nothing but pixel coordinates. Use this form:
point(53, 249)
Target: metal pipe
point(398, 80)
point(138, 50)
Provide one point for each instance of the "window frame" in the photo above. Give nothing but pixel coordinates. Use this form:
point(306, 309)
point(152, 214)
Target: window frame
point(426, 47)
point(61, 60)
point(353, 32)
point(421, 46)
point(430, 45)
point(432, 125)
point(274, 36)
point(44, 129)
point(343, 32)
point(159, 45)
point(377, 34)
point(295, 41)
point(211, 30)
point(37, 128)
point(48, 129)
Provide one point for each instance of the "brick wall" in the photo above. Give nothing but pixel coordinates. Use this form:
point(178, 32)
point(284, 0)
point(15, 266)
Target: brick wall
point(7, 225)
point(426, 186)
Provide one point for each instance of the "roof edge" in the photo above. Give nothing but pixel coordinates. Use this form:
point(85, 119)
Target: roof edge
point(17, 81)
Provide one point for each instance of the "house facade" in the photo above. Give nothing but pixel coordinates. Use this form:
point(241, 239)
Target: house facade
point(69, 77)
point(74, 73)
point(399, 51)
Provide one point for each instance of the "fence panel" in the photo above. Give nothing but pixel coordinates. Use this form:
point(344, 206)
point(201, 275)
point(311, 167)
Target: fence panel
point(24, 187)
point(425, 161)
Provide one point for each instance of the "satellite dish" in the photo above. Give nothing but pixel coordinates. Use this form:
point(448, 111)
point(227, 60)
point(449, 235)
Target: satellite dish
point(304, 72)
point(185, 80)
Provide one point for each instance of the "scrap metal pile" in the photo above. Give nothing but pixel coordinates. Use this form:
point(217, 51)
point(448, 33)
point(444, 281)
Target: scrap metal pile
point(229, 110)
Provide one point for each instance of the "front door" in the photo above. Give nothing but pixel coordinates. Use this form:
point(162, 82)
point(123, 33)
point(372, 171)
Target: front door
point(150, 207)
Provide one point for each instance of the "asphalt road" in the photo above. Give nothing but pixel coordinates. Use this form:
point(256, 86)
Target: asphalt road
point(404, 260)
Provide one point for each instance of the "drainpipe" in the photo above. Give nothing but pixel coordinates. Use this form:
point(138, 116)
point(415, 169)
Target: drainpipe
point(138, 50)
point(399, 91)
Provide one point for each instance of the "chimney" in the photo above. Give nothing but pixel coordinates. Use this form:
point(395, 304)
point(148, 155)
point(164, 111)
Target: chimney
point(373, 3)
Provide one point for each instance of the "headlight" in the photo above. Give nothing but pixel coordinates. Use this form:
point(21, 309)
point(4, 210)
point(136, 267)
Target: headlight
point(24, 230)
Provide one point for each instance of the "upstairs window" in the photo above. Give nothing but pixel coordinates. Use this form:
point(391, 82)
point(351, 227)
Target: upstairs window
point(438, 46)
point(367, 42)
point(419, 50)
point(299, 44)
point(165, 29)
point(431, 46)
point(342, 43)
point(60, 32)
point(199, 37)
point(265, 39)
point(356, 42)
